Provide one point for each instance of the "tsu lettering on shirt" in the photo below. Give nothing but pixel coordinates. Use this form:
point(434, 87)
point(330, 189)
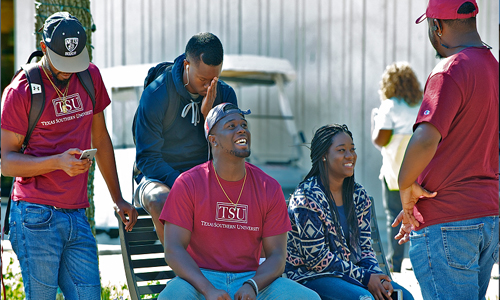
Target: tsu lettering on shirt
point(228, 212)
point(226, 236)
point(73, 104)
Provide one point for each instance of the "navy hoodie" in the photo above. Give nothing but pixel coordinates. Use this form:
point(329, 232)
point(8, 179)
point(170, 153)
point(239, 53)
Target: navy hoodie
point(164, 155)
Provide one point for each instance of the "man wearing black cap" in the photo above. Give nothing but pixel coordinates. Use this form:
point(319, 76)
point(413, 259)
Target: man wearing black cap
point(186, 92)
point(219, 215)
point(49, 230)
point(454, 153)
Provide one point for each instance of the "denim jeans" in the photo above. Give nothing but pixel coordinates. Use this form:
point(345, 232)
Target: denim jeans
point(392, 205)
point(454, 260)
point(55, 248)
point(336, 288)
point(281, 288)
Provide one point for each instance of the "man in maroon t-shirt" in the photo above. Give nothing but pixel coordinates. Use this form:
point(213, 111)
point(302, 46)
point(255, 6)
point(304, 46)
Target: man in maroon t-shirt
point(49, 231)
point(219, 215)
point(453, 153)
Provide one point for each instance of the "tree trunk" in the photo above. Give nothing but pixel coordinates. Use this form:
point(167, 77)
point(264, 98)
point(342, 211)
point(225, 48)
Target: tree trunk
point(81, 10)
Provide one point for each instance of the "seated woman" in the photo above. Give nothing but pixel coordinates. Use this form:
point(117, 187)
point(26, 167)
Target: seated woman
point(329, 246)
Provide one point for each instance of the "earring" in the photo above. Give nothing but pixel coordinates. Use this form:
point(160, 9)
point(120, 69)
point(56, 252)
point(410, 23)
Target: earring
point(215, 144)
point(324, 158)
point(440, 34)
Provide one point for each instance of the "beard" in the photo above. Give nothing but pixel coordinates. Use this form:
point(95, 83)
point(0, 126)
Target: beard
point(59, 83)
point(239, 153)
point(242, 154)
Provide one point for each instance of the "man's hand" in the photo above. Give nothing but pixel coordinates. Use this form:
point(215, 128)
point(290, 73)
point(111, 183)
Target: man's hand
point(409, 197)
point(124, 208)
point(215, 294)
point(380, 286)
point(72, 165)
point(404, 231)
point(208, 101)
point(245, 292)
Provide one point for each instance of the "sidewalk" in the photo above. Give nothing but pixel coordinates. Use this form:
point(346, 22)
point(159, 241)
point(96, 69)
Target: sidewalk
point(113, 273)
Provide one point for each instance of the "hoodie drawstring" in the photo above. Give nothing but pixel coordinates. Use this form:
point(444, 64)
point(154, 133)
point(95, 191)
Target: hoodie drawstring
point(195, 117)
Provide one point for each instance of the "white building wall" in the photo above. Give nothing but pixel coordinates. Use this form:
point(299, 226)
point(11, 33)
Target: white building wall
point(338, 48)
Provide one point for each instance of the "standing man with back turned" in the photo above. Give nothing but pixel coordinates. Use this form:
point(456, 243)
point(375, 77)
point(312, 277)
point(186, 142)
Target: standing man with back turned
point(50, 233)
point(191, 87)
point(454, 153)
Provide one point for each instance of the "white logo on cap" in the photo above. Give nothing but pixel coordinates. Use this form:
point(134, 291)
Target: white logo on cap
point(427, 112)
point(71, 44)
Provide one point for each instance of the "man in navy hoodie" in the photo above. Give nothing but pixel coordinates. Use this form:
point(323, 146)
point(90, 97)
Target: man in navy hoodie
point(190, 87)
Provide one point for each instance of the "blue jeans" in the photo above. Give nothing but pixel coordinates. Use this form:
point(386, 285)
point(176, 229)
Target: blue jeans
point(336, 288)
point(392, 205)
point(454, 260)
point(281, 288)
point(55, 248)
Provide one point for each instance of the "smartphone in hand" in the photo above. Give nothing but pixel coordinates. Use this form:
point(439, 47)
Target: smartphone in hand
point(89, 153)
point(397, 294)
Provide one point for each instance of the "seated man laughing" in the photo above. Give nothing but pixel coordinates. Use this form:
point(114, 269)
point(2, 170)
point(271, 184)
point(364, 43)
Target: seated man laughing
point(217, 218)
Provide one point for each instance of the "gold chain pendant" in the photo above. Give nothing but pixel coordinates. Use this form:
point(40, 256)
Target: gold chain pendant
point(242, 186)
point(62, 95)
point(64, 109)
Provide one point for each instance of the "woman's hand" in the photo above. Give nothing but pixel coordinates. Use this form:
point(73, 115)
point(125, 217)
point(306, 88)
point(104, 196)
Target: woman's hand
point(380, 286)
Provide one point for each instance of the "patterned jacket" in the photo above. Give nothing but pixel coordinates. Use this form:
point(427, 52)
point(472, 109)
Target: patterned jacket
point(311, 254)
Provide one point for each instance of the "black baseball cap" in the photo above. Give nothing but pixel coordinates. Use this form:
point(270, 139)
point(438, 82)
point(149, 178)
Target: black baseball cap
point(220, 111)
point(65, 39)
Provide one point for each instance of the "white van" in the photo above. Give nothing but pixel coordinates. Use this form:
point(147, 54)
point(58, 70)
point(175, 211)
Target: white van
point(125, 86)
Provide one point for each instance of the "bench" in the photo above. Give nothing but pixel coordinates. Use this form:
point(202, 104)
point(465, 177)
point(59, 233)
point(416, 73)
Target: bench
point(145, 265)
point(377, 242)
point(143, 257)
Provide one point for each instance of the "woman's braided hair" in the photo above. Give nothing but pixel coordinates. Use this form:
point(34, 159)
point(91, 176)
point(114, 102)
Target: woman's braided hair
point(321, 142)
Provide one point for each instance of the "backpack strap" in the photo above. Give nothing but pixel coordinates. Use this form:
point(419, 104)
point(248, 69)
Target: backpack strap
point(170, 114)
point(37, 53)
point(88, 84)
point(6, 222)
point(161, 72)
point(37, 91)
point(173, 102)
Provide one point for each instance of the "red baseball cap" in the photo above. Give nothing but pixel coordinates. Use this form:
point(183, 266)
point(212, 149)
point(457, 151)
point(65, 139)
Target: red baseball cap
point(446, 10)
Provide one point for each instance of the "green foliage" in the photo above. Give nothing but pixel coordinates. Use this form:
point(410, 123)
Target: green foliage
point(15, 289)
point(13, 283)
point(113, 292)
point(152, 295)
point(90, 211)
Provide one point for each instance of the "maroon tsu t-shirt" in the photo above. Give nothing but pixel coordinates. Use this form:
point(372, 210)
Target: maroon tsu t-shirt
point(226, 237)
point(57, 131)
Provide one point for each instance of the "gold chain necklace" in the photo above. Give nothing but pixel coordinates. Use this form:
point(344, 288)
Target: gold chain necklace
point(242, 186)
point(61, 94)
